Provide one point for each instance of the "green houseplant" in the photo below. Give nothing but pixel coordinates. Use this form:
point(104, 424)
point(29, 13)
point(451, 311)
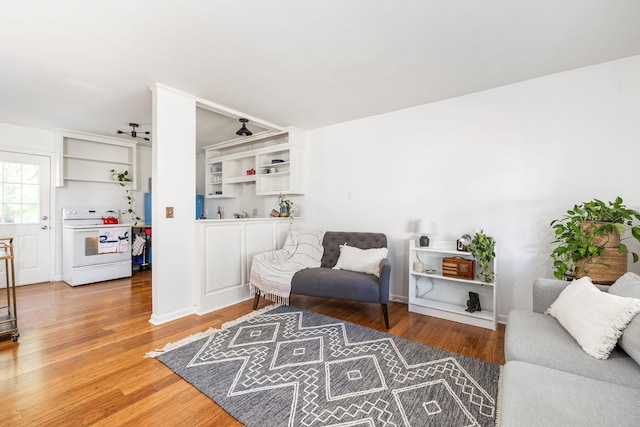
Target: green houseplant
point(285, 206)
point(483, 249)
point(588, 240)
point(125, 181)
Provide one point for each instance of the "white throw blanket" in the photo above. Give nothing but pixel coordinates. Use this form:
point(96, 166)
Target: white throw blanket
point(271, 272)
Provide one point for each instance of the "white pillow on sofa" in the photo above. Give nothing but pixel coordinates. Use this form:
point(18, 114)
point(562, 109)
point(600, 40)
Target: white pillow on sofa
point(594, 318)
point(361, 260)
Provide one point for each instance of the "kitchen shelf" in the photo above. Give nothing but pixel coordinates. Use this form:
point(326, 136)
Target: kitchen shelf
point(109, 181)
point(90, 158)
point(239, 179)
point(273, 165)
point(433, 294)
point(289, 178)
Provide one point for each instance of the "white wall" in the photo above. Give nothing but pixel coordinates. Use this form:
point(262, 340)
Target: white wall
point(508, 160)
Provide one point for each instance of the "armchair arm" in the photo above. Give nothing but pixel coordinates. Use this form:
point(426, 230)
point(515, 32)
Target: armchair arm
point(385, 274)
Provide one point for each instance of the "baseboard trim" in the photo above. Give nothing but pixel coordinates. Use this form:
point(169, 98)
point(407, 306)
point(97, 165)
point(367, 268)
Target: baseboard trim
point(168, 317)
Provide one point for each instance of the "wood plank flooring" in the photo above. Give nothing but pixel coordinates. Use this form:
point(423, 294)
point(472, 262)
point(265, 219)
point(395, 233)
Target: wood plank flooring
point(79, 360)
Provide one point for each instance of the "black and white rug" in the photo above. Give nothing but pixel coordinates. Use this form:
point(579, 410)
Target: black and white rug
point(290, 367)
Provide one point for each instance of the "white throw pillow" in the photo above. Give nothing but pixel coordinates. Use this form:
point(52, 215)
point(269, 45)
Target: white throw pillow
point(361, 260)
point(594, 318)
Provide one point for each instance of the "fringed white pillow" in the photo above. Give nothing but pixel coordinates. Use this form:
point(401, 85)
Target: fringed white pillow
point(361, 260)
point(594, 318)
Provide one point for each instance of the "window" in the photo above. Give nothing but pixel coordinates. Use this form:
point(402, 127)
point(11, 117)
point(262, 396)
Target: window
point(19, 193)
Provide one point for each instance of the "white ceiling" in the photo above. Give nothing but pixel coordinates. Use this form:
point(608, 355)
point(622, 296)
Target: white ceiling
point(87, 65)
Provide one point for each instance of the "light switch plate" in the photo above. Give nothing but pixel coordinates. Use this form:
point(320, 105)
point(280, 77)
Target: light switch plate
point(169, 211)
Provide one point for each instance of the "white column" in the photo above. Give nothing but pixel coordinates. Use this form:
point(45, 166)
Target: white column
point(173, 185)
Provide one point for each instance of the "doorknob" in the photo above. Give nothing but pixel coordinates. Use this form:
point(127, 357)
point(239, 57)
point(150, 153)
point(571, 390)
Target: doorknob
point(44, 217)
point(44, 227)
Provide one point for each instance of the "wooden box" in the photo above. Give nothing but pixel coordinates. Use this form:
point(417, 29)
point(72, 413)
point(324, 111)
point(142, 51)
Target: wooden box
point(458, 267)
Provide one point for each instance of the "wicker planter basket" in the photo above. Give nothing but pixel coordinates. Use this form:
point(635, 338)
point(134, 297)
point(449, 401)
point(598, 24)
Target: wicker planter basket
point(604, 269)
point(608, 267)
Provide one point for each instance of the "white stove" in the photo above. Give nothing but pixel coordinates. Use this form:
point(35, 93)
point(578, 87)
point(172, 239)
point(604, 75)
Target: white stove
point(78, 218)
point(93, 251)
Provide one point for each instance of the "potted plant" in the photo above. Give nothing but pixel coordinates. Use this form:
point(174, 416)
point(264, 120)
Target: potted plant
point(285, 206)
point(482, 247)
point(125, 181)
point(589, 242)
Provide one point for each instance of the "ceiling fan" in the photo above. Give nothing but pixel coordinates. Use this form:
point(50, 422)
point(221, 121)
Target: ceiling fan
point(134, 133)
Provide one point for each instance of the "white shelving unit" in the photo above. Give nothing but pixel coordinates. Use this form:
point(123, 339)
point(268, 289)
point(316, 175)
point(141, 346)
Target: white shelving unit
point(277, 160)
point(89, 158)
point(435, 295)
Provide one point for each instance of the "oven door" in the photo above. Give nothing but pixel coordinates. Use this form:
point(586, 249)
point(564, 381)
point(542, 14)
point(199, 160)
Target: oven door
point(86, 249)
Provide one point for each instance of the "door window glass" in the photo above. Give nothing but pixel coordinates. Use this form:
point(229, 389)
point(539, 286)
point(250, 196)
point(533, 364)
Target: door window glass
point(19, 193)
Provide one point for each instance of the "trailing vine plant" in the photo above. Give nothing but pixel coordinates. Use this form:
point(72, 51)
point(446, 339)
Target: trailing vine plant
point(125, 181)
point(482, 248)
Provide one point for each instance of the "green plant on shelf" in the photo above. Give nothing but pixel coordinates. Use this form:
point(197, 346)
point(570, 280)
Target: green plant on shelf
point(125, 181)
point(482, 248)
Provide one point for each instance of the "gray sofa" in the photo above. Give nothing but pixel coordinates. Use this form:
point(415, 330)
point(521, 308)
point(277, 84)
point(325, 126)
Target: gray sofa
point(549, 380)
point(326, 282)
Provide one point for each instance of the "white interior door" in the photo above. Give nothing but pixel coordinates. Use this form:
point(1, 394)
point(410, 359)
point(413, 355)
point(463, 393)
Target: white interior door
point(24, 214)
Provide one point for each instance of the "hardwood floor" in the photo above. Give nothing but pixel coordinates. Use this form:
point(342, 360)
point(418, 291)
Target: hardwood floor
point(79, 360)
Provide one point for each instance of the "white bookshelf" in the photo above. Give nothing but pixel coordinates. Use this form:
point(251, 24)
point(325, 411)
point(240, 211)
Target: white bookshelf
point(432, 294)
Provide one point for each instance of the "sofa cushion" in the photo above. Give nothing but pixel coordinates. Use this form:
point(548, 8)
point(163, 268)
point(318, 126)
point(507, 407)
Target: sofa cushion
point(533, 395)
point(595, 319)
point(629, 286)
point(361, 260)
point(540, 339)
point(341, 284)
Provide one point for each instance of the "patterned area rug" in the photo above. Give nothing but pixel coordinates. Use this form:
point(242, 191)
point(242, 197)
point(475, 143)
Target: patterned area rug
point(290, 367)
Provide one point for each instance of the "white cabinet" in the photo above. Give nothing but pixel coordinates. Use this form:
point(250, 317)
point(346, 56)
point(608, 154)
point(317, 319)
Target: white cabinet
point(90, 158)
point(225, 253)
point(275, 163)
point(433, 294)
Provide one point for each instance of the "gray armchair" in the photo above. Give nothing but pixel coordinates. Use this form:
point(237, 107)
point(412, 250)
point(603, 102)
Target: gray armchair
point(326, 282)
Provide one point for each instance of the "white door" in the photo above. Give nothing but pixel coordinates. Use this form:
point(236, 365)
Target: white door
point(24, 214)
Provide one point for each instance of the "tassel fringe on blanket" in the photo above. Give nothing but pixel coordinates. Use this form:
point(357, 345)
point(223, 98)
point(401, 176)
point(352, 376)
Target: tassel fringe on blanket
point(272, 272)
point(191, 338)
point(278, 299)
